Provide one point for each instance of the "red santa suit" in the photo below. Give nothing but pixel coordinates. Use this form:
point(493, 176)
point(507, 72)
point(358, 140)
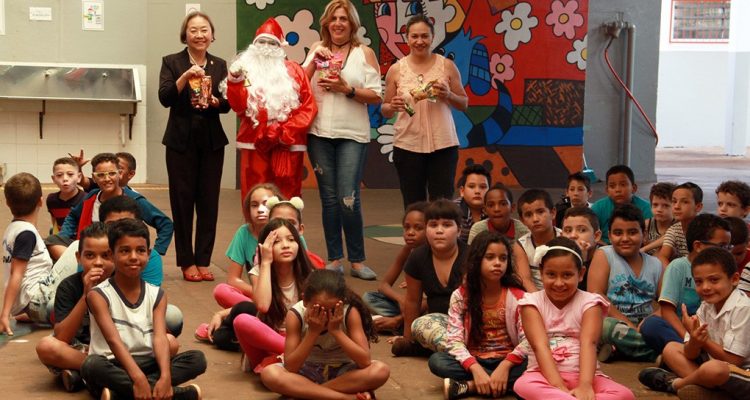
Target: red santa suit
point(272, 150)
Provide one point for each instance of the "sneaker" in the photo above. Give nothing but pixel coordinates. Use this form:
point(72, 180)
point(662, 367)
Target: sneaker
point(364, 273)
point(201, 333)
point(106, 394)
point(71, 380)
point(606, 353)
point(658, 379)
point(454, 389)
point(335, 267)
point(189, 392)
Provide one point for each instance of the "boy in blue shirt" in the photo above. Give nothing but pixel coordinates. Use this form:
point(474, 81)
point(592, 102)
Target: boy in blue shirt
point(621, 188)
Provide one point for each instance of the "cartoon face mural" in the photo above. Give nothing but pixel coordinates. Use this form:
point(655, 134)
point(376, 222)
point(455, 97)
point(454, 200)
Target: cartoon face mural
point(391, 18)
point(522, 63)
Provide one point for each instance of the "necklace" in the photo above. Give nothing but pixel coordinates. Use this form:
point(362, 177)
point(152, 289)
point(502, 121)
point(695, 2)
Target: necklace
point(340, 45)
point(192, 60)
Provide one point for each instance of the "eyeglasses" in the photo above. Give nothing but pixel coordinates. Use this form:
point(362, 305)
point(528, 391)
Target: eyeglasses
point(102, 175)
point(719, 245)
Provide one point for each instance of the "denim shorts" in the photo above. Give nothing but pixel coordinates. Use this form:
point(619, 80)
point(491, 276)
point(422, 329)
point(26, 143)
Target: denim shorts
point(321, 373)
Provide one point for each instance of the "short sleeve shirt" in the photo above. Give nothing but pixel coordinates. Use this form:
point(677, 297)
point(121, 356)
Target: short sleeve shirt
point(604, 207)
point(59, 208)
point(678, 287)
point(419, 266)
point(242, 247)
point(675, 238)
point(69, 292)
point(730, 326)
point(563, 326)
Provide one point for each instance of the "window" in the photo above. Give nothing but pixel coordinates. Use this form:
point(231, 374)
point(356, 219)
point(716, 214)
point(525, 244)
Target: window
point(700, 20)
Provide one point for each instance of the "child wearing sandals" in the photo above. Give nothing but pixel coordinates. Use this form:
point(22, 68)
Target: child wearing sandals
point(241, 251)
point(483, 323)
point(327, 352)
point(386, 302)
point(563, 325)
point(219, 330)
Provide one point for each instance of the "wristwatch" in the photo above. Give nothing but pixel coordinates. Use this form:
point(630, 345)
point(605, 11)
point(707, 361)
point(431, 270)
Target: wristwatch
point(351, 94)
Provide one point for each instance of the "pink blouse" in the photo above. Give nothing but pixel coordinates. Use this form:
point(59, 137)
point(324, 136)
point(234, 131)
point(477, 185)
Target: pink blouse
point(563, 327)
point(431, 128)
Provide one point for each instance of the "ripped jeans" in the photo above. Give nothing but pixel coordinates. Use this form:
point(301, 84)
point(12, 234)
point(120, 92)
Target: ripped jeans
point(338, 166)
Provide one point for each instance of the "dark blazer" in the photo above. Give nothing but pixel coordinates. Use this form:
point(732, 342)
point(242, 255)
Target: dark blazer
point(181, 112)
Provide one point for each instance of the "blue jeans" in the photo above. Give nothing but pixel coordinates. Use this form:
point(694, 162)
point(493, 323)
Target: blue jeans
point(380, 304)
point(657, 332)
point(445, 365)
point(338, 165)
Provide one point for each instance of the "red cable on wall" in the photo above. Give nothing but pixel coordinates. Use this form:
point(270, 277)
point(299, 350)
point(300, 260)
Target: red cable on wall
point(630, 94)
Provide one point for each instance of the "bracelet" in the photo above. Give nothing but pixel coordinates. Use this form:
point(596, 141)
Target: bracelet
point(351, 94)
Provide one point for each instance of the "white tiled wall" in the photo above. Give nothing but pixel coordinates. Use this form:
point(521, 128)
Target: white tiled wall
point(21, 149)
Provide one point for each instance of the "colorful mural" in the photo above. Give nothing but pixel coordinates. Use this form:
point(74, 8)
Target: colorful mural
point(522, 63)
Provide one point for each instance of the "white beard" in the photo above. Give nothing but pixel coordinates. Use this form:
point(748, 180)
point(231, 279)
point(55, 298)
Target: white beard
point(271, 87)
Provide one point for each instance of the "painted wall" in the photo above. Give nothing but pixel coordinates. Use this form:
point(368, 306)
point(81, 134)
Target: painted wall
point(522, 64)
point(140, 32)
point(703, 87)
point(605, 99)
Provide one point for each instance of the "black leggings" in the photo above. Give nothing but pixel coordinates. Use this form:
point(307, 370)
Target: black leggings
point(420, 174)
point(224, 337)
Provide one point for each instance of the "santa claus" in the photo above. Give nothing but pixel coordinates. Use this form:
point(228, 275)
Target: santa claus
point(274, 102)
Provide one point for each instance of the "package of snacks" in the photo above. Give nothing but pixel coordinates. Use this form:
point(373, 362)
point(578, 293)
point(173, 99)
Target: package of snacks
point(329, 68)
point(200, 90)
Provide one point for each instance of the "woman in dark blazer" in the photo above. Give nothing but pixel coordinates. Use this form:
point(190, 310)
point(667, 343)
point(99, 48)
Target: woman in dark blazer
point(195, 144)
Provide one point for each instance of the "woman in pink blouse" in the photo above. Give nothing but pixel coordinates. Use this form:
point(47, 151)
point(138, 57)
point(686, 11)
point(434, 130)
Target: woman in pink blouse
point(422, 88)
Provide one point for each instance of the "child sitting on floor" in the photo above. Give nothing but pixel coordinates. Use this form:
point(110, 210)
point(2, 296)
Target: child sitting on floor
point(499, 207)
point(687, 202)
point(621, 188)
point(678, 287)
point(483, 324)
point(716, 353)
point(582, 226)
point(577, 194)
point(562, 325)
point(327, 352)
point(538, 214)
point(241, 250)
point(31, 280)
point(661, 206)
point(66, 176)
point(472, 186)
point(129, 353)
point(629, 279)
point(733, 199)
point(386, 302)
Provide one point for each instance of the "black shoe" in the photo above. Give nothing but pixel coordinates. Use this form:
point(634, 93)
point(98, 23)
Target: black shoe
point(189, 392)
point(71, 380)
point(453, 389)
point(658, 379)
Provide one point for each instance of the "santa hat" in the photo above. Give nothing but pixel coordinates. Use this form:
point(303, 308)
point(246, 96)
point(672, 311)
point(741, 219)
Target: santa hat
point(272, 30)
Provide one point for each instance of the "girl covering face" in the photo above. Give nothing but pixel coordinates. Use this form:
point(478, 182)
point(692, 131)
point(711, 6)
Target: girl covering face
point(327, 353)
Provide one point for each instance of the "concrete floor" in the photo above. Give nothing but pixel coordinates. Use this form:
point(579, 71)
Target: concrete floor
point(410, 378)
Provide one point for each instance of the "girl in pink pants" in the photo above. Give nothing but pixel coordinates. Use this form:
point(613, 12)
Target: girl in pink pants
point(283, 268)
point(563, 325)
